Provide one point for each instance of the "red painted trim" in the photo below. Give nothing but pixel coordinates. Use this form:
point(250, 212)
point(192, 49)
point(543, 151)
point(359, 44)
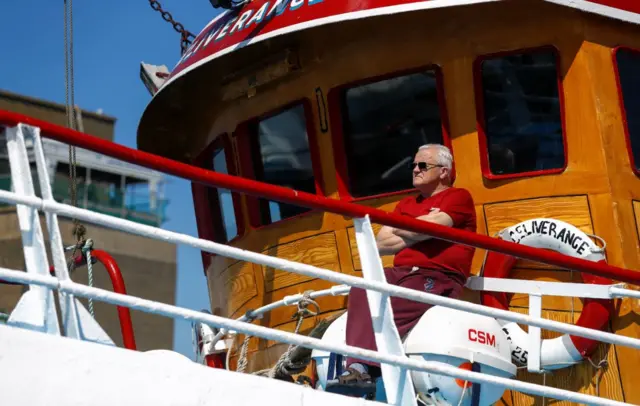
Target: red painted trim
point(246, 170)
point(632, 6)
point(209, 215)
point(596, 313)
point(208, 44)
point(337, 140)
point(480, 112)
point(126, 326)
point(203, 219)
point(623, 108)
point(273, 192)
point(249, 148)
point(336, 104)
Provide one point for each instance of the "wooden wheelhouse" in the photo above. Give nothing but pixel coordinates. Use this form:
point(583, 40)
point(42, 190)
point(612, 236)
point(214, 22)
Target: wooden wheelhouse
point(538, 101)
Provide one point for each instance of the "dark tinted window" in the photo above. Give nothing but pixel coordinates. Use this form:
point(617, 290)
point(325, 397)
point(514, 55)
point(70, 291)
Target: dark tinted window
point(226, 222)
point(629, 78)
point(384, 124)
point(522, 113)
point(282, 157)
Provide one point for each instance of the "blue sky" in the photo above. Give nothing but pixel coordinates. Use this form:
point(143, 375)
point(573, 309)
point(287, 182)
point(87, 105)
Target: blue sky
point(111, 38)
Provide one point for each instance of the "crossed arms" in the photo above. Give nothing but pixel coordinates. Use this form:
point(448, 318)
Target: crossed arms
point(390, 240)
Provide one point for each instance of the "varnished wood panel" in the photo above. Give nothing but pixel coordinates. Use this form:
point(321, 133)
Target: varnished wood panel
point(571, 209)
point(580, 378)
point(233, 287)
point(320, 250)
point(387, 260)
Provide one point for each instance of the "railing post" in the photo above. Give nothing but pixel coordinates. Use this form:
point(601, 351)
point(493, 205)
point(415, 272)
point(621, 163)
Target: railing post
point(397, 381)
point(77, 321)
point(535, 342)
point(36, 309)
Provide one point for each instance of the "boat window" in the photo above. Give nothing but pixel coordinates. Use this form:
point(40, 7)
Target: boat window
point(217, 209)
point(383, 124)
point(281, 156)
point(628, 64)
point(223, 199)
point(519, 107)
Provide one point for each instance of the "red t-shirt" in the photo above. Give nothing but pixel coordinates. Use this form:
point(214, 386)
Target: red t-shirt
point(434, 253)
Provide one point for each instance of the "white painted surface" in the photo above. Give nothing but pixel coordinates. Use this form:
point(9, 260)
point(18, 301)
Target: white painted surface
point(565, 289)
point(62, 371)
point(397, 381)
point(36, 309)
point(535, 335)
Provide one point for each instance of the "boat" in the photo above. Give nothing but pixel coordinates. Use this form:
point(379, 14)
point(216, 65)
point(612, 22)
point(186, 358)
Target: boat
point(295, 121)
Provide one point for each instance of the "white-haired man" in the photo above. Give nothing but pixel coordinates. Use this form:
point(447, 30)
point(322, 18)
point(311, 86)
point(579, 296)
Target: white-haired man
point(422, 263)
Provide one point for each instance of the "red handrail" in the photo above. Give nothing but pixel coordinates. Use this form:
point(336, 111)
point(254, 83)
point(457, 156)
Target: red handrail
point(287, 195)
point(126, 326)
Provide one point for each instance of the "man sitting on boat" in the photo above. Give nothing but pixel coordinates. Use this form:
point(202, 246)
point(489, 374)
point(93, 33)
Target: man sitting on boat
point(421, 262)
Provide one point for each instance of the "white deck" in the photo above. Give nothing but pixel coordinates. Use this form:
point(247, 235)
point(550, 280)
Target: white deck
point(48, 370)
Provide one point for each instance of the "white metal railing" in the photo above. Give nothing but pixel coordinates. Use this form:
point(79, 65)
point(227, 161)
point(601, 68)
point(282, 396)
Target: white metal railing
point(176, 312)
point(29, 204)
point(310, 270)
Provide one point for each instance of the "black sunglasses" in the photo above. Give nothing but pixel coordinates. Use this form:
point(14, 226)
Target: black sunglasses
point(422, 165)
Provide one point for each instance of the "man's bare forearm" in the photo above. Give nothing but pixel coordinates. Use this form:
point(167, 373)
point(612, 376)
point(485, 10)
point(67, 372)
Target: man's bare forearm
point(436, 216)
point(388, 243)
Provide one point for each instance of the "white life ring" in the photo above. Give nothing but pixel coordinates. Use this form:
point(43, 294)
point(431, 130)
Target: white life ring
point(562, 237)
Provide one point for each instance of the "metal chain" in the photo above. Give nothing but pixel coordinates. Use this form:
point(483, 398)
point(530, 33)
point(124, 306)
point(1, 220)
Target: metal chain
point(186, 37)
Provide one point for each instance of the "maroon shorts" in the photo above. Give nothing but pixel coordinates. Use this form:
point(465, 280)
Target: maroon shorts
point(406, 312)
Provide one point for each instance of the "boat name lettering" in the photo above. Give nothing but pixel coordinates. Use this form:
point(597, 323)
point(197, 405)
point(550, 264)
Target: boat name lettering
point(546, 227)
point(248, 19)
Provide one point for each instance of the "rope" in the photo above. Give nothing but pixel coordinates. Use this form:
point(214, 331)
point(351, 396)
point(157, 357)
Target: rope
point(464, 392)
point(86, 250)
point(600, 369)
point(242, 363)
point(285, 366)
point(79, 231)
point(242, 360)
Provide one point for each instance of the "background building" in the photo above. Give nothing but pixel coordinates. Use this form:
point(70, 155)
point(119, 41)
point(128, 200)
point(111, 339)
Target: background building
point(107, 186)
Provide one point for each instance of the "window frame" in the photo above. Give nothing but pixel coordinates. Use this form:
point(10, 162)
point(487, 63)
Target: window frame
point(480, 110)
point(623, 108)
point(247, 144)
point(336, 118)
point(209, 223)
